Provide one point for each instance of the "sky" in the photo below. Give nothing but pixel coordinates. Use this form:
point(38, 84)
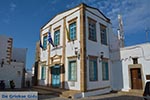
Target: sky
point(22, 19)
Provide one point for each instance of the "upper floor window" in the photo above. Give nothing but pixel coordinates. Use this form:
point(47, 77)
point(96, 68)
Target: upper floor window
point(92, 29)
point(57, 37)
point(72, 30)
point(45, 42)
point(103, 34)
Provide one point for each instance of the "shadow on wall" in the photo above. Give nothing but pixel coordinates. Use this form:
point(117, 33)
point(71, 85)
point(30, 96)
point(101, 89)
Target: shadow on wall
point(117, 71)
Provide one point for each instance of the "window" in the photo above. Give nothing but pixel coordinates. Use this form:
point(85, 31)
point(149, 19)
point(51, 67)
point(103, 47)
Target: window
point(45, 42)
point(135, 60)
point(103, 34)
point(72, 70)
point(105, 70)
point(92, 29)
point(93, 69)
point(72, 30)
point(56, 37)
point(43, 72)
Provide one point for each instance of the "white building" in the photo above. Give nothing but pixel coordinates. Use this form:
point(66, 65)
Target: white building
point(135, 66)
point(12, 62)
point(5, 48)
point(13, 71)
point(81, 60)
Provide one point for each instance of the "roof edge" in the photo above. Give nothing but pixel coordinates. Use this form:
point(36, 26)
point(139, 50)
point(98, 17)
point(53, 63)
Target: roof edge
point(81, 4)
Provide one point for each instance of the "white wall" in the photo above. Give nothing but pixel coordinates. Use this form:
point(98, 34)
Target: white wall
point(116, 63)
point(3, 47)
point(19, 54)
point(70, 46)
point(43, 81)
point(10, 72)
point(94, 49)
point(70, 51)
point(142, 52)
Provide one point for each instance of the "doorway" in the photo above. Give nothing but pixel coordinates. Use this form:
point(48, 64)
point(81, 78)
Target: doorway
point(55, 76)
point(136, 79)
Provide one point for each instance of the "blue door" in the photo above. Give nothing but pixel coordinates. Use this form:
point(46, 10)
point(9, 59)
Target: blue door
point(56, 76)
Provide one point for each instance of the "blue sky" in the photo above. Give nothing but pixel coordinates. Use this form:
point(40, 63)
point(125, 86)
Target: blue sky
point(22, 19)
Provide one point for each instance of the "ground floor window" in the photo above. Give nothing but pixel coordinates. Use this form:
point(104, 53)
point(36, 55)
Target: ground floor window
point(105, 70)
point(93, 69)
point(43, 72)
point(72, 70)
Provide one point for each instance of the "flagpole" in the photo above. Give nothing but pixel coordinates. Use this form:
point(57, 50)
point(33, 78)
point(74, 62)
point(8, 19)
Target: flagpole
point(49, 47)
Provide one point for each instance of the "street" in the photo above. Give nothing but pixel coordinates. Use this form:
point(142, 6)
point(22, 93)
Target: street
point(100, 97)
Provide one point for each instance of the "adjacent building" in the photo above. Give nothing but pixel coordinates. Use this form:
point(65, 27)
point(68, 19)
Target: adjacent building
point(135, 66)
point(5, 48)
point(12, 62)
point(81, 58)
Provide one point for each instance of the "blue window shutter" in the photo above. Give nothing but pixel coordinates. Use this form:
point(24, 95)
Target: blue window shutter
point(57, 37)
point(44, 42)
point(107, 71)
point(72, 74)
point(72, 30)
point(95, 70)
point(43, 72)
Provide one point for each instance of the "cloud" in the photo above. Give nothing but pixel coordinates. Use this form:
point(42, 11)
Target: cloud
point(12, 6)
point(135, 13)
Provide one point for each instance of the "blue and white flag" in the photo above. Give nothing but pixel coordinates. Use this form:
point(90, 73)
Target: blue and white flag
point(50, 39)
point(41, 46)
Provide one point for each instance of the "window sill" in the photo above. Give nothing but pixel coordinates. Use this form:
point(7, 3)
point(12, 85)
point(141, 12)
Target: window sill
point(72, 80)
point(93, 80)
point(93, 40)
point(57, 47)
point(72, 40)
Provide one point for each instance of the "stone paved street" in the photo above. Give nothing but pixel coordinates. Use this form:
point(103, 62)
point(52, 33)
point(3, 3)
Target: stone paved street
point(112, 96)
point(50, 97)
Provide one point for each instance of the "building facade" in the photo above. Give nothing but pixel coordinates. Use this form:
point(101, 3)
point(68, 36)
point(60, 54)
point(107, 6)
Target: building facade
point(135, 66)
point(80, 59)
point(12, 62)
point(5, 48)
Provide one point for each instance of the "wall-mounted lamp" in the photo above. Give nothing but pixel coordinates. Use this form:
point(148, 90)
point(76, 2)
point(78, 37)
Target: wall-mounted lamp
point(77, 52)
point(101, 56)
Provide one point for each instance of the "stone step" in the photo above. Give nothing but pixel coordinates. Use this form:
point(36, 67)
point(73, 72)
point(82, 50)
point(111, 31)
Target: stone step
point(49, 89)
point(132, 92)
point(43, 90)
point(69, 94)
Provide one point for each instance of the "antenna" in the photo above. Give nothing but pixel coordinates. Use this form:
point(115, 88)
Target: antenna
point(120, 31)
point(147, 31)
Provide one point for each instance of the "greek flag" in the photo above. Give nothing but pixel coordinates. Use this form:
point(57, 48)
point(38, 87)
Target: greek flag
point(41, 46)
point(50, 39)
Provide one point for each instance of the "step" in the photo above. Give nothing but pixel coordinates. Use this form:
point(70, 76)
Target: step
point(132, 92)
point(58, 90)
point(69, 94)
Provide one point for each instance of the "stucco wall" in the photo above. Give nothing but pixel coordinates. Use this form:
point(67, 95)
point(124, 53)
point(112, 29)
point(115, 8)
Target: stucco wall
point(137, 51)
point(14, 72)
point(94, 49)
point(70, 46)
